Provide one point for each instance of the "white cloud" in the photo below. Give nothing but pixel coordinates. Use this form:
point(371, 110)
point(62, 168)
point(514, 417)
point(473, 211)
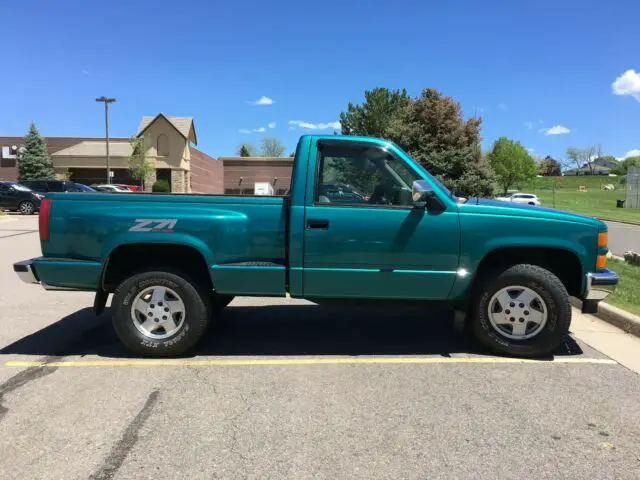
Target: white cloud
point(263, 101)
point(271, 125)
point(556, 130)
point(315, 126)
point(631, 153)
point(627, 84)
point(529, 125)
point(531, 150)
point(502, 106)
point(85, 72)
point(292, 128)
point(250, 130)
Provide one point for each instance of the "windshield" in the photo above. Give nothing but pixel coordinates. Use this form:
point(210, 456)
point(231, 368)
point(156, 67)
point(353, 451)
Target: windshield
point(78, 187)
point(21, 188)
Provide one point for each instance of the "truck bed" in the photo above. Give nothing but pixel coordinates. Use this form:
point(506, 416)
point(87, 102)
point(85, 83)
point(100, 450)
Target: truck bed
point(233, 233)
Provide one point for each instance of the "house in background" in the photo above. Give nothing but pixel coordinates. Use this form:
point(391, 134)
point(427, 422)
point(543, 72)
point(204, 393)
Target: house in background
point(601, 166)
point(169, 144)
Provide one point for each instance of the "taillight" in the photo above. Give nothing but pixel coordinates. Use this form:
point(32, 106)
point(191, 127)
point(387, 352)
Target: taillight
point(43, 219)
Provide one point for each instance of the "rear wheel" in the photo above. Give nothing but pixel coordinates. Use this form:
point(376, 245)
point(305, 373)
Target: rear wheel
point(160, 314)
point(26, 208)
point(524, 311)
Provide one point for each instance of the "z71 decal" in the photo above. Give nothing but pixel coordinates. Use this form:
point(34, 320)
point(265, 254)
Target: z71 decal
point(154, 225)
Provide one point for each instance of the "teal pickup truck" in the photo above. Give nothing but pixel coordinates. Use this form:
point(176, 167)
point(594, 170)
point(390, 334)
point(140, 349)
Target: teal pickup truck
point(362, 221)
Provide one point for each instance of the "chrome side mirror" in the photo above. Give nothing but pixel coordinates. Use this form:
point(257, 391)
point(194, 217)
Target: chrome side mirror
point(423, 196)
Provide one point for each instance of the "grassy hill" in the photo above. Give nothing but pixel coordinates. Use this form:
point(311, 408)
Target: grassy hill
point(563, 193)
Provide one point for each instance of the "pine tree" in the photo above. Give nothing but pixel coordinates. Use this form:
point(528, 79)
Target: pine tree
point(35, 162)
point(244, 151)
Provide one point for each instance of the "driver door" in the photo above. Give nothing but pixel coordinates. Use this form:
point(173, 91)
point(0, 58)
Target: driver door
point(364, 238)
point(5, 196)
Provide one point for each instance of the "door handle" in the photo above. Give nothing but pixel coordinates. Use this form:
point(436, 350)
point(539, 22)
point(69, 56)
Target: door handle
point(319, 224)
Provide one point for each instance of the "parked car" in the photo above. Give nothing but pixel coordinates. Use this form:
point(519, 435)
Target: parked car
point(525, 198)
point(110, 188)
point(133, 188)
point(18, 198)
point(172, 261)
point(56, 186)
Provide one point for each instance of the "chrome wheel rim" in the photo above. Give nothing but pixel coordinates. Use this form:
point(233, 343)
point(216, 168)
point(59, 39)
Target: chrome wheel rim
point(26, 208)
point(517, 312)
point(158, 312)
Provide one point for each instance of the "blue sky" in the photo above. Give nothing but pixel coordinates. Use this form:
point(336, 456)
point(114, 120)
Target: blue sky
point(522, 68)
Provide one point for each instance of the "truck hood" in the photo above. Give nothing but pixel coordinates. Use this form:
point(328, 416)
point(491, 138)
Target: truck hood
point(496, 207)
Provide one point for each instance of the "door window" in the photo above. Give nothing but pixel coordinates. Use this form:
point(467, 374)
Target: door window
point(362, 176)
point(55, 187)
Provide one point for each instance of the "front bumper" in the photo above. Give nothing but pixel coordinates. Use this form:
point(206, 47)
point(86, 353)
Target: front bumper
point(600, 284)
point(25, 271)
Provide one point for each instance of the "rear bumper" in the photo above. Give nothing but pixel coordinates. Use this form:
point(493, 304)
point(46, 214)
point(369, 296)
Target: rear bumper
point(25, 271)
point(60, 274)
point(600, 284)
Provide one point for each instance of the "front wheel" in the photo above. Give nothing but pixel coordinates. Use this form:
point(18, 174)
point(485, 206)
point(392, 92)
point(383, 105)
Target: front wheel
point(160, 314)
point(26, 208)
point(523, 312)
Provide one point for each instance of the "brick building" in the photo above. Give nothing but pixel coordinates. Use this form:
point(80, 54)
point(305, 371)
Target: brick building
point(170, 144)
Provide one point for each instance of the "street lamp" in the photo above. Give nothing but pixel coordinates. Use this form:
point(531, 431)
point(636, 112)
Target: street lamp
point(106, 102)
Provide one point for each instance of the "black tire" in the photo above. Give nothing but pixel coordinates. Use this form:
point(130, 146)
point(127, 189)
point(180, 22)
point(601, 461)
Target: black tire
point(548, 287)
point(196, 316)
point(219, 301)
point(26, 208)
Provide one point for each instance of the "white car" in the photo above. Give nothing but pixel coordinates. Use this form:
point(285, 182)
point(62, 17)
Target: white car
point(111, 188)
point(526, 198)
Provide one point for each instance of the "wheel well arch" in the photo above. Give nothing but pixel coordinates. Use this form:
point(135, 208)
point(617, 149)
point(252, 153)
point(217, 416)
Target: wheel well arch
point(127, 259)
point(564, 264)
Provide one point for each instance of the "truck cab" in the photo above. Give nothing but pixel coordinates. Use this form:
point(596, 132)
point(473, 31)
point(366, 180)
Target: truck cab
point(362, 221)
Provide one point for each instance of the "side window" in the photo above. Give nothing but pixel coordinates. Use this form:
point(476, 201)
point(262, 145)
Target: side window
point(163, 145)
point(37, 186)
point(362, 175)
point(4, 188)
point(54, 187)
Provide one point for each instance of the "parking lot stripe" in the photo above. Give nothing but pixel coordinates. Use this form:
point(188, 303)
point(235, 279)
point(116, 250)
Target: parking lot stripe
point(240, 362)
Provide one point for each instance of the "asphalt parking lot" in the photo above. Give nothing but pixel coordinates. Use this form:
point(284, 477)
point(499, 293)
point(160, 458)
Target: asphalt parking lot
point(286, 389)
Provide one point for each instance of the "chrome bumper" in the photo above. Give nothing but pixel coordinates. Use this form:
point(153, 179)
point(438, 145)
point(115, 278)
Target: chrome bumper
point(600, 284)
point(25, 271)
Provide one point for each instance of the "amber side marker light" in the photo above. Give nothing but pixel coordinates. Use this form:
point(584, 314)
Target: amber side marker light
point(603, 239)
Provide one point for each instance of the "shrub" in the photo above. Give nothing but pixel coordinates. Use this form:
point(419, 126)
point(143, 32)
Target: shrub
point(161, 186)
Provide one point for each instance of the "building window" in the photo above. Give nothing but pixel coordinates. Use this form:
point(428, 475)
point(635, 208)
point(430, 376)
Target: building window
point(163, 145)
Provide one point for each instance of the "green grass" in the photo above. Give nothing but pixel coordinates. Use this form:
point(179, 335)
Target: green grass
point(627, 294)
point(594, 202)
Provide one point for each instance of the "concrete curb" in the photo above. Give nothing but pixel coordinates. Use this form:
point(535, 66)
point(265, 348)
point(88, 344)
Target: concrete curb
point(622, 319)
point(618, 221)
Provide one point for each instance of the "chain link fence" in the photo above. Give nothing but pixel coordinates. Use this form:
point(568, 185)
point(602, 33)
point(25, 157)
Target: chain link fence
point(633, 188)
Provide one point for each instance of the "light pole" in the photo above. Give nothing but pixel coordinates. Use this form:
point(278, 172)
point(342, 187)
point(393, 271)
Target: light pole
point(106, 102)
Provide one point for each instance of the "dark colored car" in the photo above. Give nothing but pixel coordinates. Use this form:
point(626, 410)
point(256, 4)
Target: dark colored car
point(56, 186)
point(18, 198)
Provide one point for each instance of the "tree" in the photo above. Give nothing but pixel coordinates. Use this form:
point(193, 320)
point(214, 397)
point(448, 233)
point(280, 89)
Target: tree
point(35, 162)
point(583, 157)
point(432, 130)
point(550, 167)
point(139, 165)
point(624, 165)
point(246, 150)
point(511, 163)
point(271, 147)
point(373, 118)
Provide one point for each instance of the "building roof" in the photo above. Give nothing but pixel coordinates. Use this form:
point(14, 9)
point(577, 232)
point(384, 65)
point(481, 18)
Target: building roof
point(184, 125)
point(97, 149)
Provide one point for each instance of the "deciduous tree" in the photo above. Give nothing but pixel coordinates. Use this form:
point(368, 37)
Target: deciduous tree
point(550, 167)
point(511, 163)
point(139, 164)
point(271, 147)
